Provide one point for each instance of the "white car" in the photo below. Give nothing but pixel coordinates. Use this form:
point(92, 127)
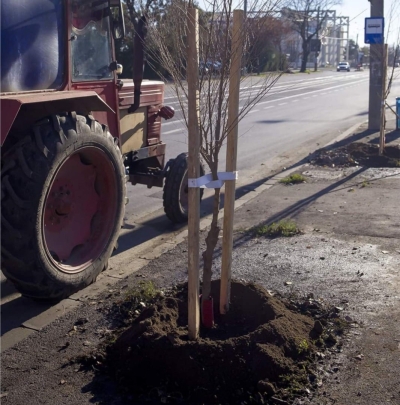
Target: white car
point(343, 66)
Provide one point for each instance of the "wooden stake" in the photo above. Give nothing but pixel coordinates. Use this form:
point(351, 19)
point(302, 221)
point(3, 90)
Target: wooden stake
point(382, 140)
point(193, 173)
point(231, 158)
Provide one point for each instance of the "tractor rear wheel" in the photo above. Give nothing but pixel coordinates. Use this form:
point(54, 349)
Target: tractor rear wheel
point(175, 196)
point(62, 199)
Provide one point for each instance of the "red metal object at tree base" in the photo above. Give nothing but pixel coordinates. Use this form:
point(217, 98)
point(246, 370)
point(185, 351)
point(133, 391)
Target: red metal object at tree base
point(207, 312)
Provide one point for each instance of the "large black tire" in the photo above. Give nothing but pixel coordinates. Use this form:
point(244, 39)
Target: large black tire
point(29, 171)
point(174, 186)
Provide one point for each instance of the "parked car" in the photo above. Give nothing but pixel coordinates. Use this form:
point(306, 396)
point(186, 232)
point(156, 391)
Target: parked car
point(203, 68)
point(343, 66)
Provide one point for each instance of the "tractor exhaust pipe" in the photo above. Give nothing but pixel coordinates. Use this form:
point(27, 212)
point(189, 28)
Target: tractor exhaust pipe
point(138, 62)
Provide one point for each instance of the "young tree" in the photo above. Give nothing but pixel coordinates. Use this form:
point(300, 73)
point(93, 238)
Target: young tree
point(307, 17)
point(168, 41)
point(392, 73)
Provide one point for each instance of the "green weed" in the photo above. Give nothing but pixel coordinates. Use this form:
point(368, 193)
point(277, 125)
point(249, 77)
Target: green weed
point(303, 347)
point(294, 178)
point(281, 228)
point(136, 299)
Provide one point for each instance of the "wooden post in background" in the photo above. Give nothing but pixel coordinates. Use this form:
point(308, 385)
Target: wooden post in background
point(231, 158)
point(382, 139)
point(192, 73)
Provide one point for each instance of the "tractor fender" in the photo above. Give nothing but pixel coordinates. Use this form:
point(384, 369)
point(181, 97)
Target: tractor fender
point(19, 111)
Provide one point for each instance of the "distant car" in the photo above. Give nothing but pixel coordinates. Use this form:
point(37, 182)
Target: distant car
point(203, 68)
point(343, 66)
point(397, 64)
point(214, 66)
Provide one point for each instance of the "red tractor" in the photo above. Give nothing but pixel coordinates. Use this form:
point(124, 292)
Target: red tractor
point(72, 134)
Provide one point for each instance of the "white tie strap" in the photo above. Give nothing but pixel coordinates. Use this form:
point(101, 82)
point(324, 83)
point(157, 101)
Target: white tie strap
point(207, 181)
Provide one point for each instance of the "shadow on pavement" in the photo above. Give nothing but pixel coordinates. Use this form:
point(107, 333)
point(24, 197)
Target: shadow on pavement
point(298, 206)
point(391, 136)
point(161, 224)
point(14, 313)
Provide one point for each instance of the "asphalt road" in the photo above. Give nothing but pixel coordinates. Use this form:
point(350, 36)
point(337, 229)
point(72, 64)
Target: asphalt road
point(299, 109)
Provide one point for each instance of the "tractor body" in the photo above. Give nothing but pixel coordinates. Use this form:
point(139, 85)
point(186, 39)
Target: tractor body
point(71, 131)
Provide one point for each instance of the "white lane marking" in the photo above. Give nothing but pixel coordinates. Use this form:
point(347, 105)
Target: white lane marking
point(286, 86)
point(360, 81)
point(266, 108)
point(163, 124)
point(252, 111)
point(297, 95)
point(282, 103)
point(174, 130)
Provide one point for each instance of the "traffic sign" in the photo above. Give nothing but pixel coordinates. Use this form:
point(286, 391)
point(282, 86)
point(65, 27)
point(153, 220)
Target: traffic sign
point(374, 30)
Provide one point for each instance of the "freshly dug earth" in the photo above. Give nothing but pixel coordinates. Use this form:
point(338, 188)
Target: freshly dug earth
point(358, 153)
point(258, 350)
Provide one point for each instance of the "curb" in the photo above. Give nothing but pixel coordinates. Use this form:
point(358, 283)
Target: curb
point(143, 254)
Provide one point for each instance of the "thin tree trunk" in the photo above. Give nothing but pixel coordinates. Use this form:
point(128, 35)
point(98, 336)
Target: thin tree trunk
point(304, 61)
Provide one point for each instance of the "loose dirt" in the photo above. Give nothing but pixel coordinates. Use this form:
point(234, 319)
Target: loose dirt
point(261, 349)
point(358, 153)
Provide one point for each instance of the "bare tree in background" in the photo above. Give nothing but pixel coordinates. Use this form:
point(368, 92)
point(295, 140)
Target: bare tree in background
point(167, 39)
point(392, 73)
point(307, 17)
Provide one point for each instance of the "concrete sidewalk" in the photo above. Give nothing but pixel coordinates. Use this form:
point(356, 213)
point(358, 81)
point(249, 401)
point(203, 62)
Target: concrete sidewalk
point(349, 256)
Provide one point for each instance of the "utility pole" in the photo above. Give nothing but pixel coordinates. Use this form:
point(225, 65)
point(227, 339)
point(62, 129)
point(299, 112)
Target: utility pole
point(357, 53)
point(376, 75)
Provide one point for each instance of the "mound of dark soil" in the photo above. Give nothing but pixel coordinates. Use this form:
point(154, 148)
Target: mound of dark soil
point(253, 352)
point(358, 153)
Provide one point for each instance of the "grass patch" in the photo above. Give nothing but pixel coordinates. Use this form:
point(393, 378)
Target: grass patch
point(281, 228)
point(364, 184)
point(294, 178)
point(136, 300)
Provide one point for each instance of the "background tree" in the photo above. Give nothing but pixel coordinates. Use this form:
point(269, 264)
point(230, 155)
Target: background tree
point(393, 57)
point(133, 10)
point(265, 36)
point(307, 17)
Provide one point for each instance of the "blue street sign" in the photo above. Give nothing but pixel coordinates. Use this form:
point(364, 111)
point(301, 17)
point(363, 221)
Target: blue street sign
point(374, 30)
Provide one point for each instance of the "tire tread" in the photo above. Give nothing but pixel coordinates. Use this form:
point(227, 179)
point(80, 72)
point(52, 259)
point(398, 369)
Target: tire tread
point(25, 167)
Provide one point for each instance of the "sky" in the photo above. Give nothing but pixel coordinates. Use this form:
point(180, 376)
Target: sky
point(358, 10)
